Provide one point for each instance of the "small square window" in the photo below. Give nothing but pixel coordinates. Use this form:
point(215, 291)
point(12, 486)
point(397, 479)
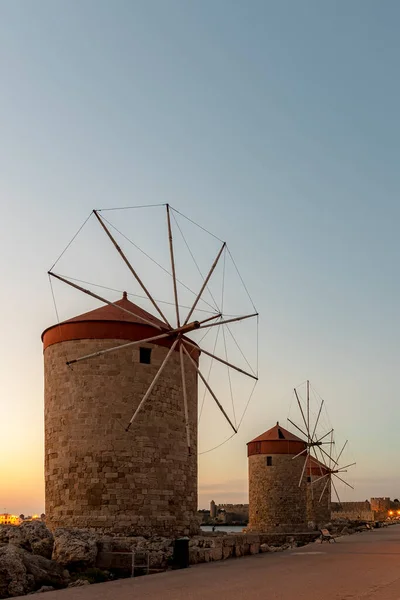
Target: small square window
point(269, 461)
point(145, 355)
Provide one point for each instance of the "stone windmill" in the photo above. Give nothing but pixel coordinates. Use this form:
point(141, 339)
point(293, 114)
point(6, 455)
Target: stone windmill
point(321, 464)
point(121, 407)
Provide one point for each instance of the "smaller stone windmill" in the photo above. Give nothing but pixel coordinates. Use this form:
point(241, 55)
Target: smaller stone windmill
point(321, 464)
point(332, 469)
point(309, 431)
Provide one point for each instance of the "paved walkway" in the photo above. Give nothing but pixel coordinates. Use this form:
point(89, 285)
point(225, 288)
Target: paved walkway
point(362, 566)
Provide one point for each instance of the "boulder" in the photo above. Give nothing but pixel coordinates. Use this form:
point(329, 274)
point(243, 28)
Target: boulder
point(44, 588)
point(22, 572)
point(346, 531)
point(30, 535)
point(264, 548)
point(79, 583)
point(74, 548)
point(37, 538)
point(14, 579)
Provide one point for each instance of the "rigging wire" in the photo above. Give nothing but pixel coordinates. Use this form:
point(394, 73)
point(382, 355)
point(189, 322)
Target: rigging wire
point(224, 336)
point(154, 261)
point(194, 223)
point(68, 245)
point(247, 405)
point(229, 378)
point(130, 207)
point(241, 279)
point(240, 350)
point(219, 445)
point(257, 344)
point(195, 262)
point(104, 287)
point(209, 373)
point(240, 422)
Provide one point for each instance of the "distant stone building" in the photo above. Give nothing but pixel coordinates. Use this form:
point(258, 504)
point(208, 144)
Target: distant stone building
point(6, 519)
point(380, 505)
point(213, 509)
point(277, 503)
point(378, 509)
point(233, 513)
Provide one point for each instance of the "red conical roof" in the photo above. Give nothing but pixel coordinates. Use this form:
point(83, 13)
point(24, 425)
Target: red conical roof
point(277, 433)
point(112, 313)
point(276, 440)
point(111, 323)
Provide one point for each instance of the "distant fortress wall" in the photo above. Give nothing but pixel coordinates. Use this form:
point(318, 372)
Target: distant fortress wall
point(234, 512)
point(375, 510)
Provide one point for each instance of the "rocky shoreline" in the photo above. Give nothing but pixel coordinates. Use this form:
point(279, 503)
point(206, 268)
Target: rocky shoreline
point(34, 560)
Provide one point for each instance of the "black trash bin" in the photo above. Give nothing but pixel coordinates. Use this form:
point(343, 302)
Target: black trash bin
point(180, 559)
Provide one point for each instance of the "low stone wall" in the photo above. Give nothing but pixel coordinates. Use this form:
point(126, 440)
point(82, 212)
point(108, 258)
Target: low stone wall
point(116, 552)
point(357, 515)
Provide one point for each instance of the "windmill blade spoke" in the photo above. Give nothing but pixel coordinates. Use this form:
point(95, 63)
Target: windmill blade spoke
point(317, 420)
point(302, 414)
point(204, 380)
point(233, 320)
point(89, 293)
point(343, 481)
point(346, 466)
point(153, 383)
point(316, 458)
point(217, 316)
point(324, 436)
point(221, 360)
point(299, 454)
point(132, 270)
point(207, 279)
point(331, 451)
point(322, 457)
point(341, 452)
point(185, 402)
point(323, 491)
point(302, 473)
point(308, 409)
point(326, 454)
point(336, 492)
point(297, 427)
point(171, 252)
point(323, 477)
point(114, 348)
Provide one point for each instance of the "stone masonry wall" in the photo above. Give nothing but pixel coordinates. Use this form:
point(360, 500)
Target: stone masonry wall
point(380, 505)
point(360, 515)
point(351, 506)
point(276, 502)
point(318, 502)
point(100, 476)
point(115, 552)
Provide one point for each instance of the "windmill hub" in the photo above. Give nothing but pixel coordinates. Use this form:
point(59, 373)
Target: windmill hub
point(187, 328)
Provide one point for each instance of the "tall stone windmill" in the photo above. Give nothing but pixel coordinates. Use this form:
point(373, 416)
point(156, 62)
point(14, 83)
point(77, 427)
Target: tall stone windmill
point(121, 387)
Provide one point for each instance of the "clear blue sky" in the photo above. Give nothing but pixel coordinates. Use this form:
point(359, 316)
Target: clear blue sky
point(275, 125)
